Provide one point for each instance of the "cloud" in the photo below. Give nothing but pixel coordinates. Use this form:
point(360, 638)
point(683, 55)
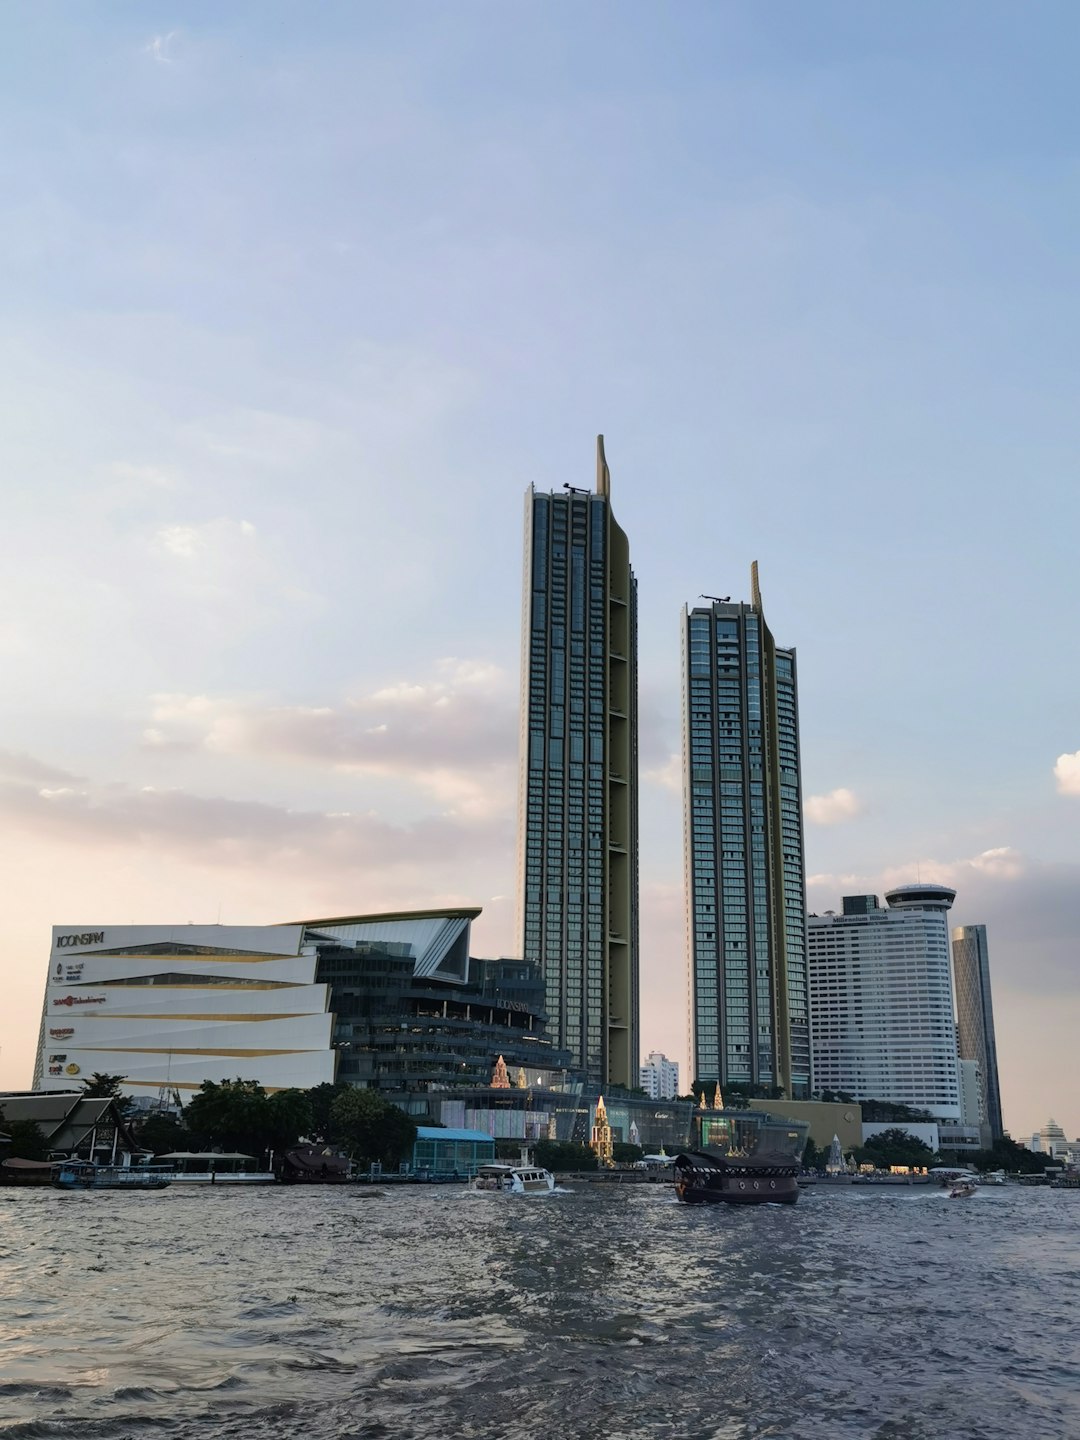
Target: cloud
point(1067, 773)
point(160, 46)
point(453, 736)
point(832, 809)
point(19, 767)
point(668, 776)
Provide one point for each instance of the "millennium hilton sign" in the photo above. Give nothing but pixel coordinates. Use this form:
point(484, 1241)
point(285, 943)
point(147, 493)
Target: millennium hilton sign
point(88, 937)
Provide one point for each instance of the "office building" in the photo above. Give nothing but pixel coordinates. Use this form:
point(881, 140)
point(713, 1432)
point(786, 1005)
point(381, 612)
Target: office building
point(975, 1017)
point(660, 1076)
point(745, 871)
point(391, 1002)
point(578, 827)
point(881, 1010)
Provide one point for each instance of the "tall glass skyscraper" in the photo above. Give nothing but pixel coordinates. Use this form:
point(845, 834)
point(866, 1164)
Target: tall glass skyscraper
point(745, 871)
point(975, 1016)
point(578, 825)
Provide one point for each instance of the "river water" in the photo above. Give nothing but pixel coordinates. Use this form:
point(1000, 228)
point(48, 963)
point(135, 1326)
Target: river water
point(609, 1311)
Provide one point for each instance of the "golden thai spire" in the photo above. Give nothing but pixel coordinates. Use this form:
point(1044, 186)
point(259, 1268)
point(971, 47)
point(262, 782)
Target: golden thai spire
point(717, 1099)
point(522, 1082)
point(500, 1080)
point(701, 1101)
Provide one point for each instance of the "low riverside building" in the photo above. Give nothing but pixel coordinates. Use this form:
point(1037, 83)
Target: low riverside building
point(72, 1124)
point(451, 1152)
point(392, 1002)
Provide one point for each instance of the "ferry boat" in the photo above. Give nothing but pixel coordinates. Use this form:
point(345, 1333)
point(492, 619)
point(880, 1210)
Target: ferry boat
point(746, 1158)
point(85, 1175)
point(514, 1179)
point(211, 1167)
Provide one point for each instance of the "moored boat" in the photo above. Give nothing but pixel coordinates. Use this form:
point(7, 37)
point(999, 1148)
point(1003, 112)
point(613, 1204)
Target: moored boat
point(85, 1175)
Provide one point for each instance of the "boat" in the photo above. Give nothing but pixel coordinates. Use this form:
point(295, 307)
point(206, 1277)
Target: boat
point(212, 1167)
point(514, 1179)
point(749, 1158)
point(962, 1190)
point(85, 1175)
point(313, 1165)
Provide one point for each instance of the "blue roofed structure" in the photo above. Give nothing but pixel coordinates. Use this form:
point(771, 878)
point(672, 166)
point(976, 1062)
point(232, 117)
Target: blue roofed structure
point(451, 1152)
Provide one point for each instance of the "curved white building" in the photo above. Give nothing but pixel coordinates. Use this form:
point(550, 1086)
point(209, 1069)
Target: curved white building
point(174, 1005)
point(881, 1001)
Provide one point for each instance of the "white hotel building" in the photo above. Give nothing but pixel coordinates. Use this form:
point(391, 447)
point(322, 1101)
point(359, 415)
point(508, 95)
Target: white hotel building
point(168, 1006)
point(881, 1001)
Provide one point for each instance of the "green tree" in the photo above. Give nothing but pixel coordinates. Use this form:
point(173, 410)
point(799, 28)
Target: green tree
point(624, 1153)
point(1007, 1154)
point(100, 1086)
point(894, 1147)
point(290, 1114)
point(371, 1128)
point(321, 1099)
point(27, 1140)
point(813, 1158)
point(234, 1115)
point(162, 1134)
point(564, 1155)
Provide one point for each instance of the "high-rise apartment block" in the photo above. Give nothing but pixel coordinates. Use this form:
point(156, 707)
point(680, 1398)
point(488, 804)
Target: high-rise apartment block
point(975, 1016)
point(659, 1076)
point(578, 826)
point(881, 1007)
point(745, 871)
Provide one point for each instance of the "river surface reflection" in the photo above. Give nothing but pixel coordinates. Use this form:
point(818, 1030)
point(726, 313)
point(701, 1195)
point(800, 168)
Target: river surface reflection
point(603, 1312)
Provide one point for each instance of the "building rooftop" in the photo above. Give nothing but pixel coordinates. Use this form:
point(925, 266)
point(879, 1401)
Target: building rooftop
point(434, 1132)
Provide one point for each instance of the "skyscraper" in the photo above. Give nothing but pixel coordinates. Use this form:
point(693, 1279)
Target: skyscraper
point(745, 872)
point(578, 827)
point(975, 1016)
point(881, 1011)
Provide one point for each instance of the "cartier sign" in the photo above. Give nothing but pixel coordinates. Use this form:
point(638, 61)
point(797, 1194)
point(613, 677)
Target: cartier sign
point(88, 937)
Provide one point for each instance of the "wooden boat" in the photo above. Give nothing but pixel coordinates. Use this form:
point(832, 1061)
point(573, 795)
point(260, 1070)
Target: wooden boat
point(750, 1158)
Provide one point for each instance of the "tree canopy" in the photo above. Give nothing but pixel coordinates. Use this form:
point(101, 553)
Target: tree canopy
point(27, 1140)
point(239, 1115)
point(895, 1146)
point(372, 1129)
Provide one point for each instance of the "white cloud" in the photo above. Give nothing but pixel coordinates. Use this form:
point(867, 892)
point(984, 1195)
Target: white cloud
point(160, 46)
point(832, 809)
point(668, 776)
point(1067, 773)
point(453, 736)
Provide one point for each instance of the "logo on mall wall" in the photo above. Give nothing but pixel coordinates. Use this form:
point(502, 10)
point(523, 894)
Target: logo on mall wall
point(71, 1069)
point(88, 937)
point(62, 1032)
point(80, 1000)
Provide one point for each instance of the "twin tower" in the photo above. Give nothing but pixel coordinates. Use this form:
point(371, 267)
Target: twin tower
point(578, 811)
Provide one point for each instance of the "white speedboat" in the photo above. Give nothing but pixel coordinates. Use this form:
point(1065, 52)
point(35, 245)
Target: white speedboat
point(514, 1179)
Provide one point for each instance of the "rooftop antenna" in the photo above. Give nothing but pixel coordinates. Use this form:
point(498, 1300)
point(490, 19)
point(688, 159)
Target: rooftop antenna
point(720, 599)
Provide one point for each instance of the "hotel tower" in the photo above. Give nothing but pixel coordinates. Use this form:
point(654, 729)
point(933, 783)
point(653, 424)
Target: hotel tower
point(743, 840)
point(578, 825)
point(975, 1017)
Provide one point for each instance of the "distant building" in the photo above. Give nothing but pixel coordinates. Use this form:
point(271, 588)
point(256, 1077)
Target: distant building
point(1050, 1140)
point(744, 857)
point(578, 809)
point(660, 1076)
point(881, 1001)
point(975, 1017)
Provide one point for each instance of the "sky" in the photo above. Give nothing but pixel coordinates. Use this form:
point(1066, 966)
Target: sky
point(298, 302)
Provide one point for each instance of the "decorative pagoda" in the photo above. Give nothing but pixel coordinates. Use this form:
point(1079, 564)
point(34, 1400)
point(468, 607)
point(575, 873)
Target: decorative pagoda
point(717, 1099)
point(602, 1142)
point(522, 1082)
point(500, 1080)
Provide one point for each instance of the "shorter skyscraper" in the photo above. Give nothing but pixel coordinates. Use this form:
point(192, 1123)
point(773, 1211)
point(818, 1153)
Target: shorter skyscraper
point(975, 1017)
point(881, 1001)
point(660, 1076)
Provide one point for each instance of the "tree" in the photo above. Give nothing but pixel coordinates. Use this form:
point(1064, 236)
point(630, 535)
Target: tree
point(812, 1157)
point(895, 1147)
point(321, 1098)
point(162, 1134)
point(290, 1115)
point(564, 1155)
point(234, 1115)
point(372, 1128)
point(1008, 1154)
point(624, 1153)
point(27, 1140)
point(102, 1086)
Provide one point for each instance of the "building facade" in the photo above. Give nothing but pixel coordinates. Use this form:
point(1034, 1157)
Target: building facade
point(578, 808)
point(744, 854)
point(881, 1007)
point(393, 1002)
point(659, 1076)
point(169, 1006)
point(975, 1017)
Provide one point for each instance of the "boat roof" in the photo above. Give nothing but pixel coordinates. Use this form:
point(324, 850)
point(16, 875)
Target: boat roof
point(206, 1155)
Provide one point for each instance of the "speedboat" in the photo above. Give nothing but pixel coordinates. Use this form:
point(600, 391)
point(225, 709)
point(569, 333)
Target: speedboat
point(514, 1179)
point(962, 1190)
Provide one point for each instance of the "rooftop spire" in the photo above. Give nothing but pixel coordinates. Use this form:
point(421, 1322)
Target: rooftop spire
point(755, 588)
point(603, 474)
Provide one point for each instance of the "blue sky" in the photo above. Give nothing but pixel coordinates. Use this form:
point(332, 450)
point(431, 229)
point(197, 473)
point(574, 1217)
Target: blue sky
point(298, 304)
